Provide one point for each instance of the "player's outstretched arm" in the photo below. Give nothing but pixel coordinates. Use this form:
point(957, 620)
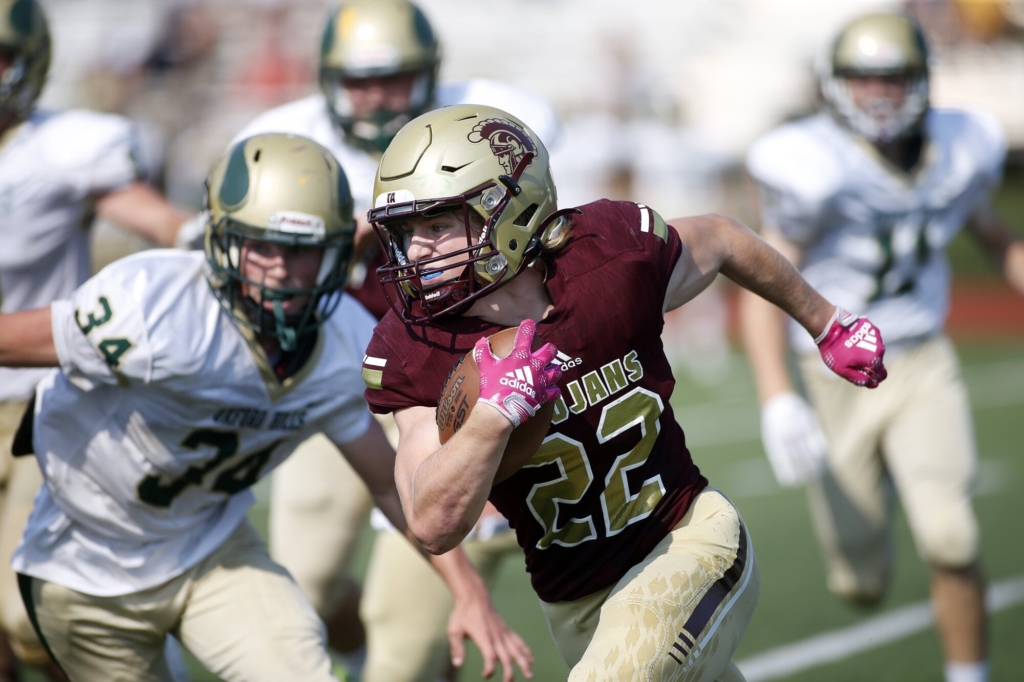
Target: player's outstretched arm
point(851, 346)
point(1001, 246)
point(473, 615)
point(142, 210)
point(26, 339)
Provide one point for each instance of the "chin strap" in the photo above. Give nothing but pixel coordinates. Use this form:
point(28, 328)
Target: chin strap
point(286, 335)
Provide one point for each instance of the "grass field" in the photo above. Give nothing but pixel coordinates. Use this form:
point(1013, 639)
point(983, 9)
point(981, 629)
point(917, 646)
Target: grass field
point(722, 429)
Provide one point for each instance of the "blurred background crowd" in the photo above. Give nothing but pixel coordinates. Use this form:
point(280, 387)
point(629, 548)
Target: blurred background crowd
point(659, 100)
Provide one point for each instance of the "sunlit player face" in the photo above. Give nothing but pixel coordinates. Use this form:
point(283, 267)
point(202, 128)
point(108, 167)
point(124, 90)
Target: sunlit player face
point(381, 93)
point(279, 267)
point(879, 96)
point(424, 238)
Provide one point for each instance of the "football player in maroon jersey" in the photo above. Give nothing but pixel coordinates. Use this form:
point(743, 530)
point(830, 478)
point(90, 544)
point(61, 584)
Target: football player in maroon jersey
point(643, 570)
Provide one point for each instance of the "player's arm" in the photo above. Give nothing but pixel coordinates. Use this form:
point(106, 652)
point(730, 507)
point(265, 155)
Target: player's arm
point(790, 432)
point(26, 339)
point(763, 328)
point(140, 209)
point(715, 243)
point(1001, 246)
point(444, 488)
point(474, 615)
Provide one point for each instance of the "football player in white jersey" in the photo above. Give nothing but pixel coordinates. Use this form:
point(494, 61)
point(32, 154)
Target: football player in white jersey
point(378, 69)
point(57, 170)
point(183, 378)
point(865, 197)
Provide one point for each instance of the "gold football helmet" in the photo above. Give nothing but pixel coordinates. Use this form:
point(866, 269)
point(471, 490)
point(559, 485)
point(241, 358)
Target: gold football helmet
point(880, 44)
point(373, 39)
point(25, 41)
point(287, 190)
point(467, 158)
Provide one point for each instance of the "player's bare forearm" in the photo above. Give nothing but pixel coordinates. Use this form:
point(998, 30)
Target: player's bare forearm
point(142, 210)
point(999, 243)
point(475, 617)
point(444, 487)
point(1014, 266)
point(760, 269)
point(26, 339)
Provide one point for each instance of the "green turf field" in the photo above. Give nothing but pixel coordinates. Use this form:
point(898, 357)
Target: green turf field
point(722, 428)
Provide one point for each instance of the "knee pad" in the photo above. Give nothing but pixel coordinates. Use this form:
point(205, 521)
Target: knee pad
point(949, 539)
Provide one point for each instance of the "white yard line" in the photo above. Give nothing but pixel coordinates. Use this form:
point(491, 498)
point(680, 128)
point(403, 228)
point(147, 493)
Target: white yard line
point(868, 634)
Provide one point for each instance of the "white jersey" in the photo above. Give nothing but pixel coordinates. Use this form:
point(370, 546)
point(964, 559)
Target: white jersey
point(160, 418)
point(51, 168)
point(309, 117)
point(874, 238)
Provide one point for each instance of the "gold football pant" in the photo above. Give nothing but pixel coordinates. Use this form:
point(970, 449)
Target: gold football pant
point(677, 615)
point(19, 482)
point(237, 611)
point(913, 432)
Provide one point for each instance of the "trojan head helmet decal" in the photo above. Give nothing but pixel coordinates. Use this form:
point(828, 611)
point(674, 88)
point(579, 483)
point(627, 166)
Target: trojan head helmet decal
point(508, 141)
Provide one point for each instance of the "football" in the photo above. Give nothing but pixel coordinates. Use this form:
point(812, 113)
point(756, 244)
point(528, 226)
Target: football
point(460, 393)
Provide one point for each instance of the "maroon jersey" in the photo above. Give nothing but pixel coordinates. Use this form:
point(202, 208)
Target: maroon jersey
point(613, 476)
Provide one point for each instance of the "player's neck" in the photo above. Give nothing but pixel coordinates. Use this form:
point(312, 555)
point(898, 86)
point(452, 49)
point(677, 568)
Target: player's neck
point(8, 124)
point(903, 153)
point(525, 297)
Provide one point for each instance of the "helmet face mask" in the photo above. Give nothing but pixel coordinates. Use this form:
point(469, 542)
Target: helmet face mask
point(368, 43)
point(25, 41)
point(288, 192)
point(491, 170)
point(870, 58)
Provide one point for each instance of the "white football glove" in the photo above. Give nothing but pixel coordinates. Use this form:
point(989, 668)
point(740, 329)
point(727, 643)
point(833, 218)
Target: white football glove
point(793, 439)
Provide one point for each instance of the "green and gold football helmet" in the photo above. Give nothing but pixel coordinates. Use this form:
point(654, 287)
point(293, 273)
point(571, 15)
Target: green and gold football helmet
point(885, 45)
point(466, 158)
point(287, 190)
point(25, 44)
point(373, 39)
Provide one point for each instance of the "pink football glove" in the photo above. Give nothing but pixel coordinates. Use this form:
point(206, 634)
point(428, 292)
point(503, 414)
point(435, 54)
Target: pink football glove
point(852, 347)
point(518, 385)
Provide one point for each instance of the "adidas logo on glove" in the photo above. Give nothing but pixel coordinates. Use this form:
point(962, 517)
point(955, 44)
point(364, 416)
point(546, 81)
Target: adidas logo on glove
point(520, 380)
point(864, 338)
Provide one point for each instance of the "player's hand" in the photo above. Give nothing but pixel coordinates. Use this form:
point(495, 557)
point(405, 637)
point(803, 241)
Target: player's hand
point(474, 616)
point(793, 439)
point(852, 347)
point(518, 385)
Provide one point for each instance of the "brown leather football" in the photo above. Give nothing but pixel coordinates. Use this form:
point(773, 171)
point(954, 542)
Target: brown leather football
point(460, 393)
